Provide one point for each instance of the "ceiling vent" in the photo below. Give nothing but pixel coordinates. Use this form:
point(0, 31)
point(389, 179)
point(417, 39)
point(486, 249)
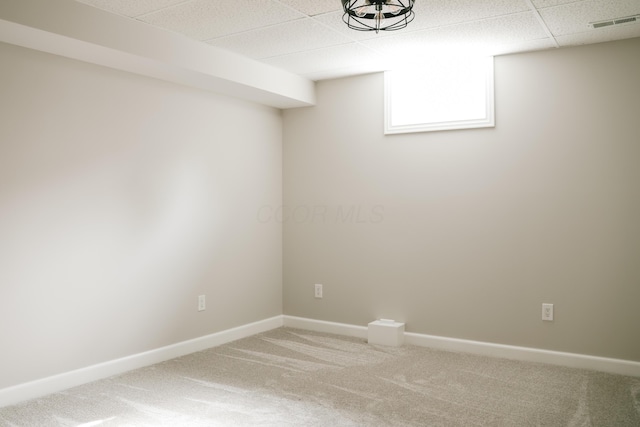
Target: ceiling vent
point(616, 21)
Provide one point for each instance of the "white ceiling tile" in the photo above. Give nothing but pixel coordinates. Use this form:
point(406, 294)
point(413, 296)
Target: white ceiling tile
point(131, 8)
point(575, 17)
point(281, 39)
point(326, 59)
point(314, 7)
point(430, 14)
point(540, 4)
point(482, 37)
point(207, 19)
point(308, 37)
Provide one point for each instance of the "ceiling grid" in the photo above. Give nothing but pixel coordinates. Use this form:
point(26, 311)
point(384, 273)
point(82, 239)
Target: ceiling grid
point(308, 37)
point(541, 20)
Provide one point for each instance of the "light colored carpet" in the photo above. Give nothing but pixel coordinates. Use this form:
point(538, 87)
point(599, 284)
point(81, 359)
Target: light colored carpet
point(290, 377)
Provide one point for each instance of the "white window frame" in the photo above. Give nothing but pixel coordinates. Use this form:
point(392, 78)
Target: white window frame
point(487, 121)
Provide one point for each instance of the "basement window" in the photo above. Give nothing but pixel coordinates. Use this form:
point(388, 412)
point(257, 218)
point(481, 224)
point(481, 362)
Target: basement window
point(451, 93)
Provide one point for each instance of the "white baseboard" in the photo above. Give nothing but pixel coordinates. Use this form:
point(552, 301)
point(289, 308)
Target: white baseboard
point(572, 360)
point(41, 387)
point(324, 326)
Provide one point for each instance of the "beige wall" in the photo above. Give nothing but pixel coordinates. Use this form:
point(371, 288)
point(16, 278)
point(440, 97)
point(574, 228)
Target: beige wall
point(122, 199)
point(465, 233)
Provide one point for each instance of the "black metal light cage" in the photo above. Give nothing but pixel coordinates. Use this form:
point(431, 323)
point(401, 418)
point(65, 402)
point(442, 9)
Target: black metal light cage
point(377, 15)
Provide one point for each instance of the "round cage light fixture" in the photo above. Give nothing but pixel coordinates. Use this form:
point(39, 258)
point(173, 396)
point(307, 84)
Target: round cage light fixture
point(377, 15)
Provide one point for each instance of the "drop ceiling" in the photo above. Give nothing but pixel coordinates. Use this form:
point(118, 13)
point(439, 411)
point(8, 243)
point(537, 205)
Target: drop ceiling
point(308, 37)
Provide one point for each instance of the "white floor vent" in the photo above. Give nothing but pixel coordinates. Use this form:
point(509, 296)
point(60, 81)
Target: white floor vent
point(386, 332)
point(616, 21)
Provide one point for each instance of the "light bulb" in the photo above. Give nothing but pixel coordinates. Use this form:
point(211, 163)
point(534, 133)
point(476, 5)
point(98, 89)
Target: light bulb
point(394, 9)
point(360, 8)
point(379, 20)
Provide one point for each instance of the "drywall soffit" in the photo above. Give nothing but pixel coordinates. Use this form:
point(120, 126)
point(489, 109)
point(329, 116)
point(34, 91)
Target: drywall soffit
point(77, 31)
